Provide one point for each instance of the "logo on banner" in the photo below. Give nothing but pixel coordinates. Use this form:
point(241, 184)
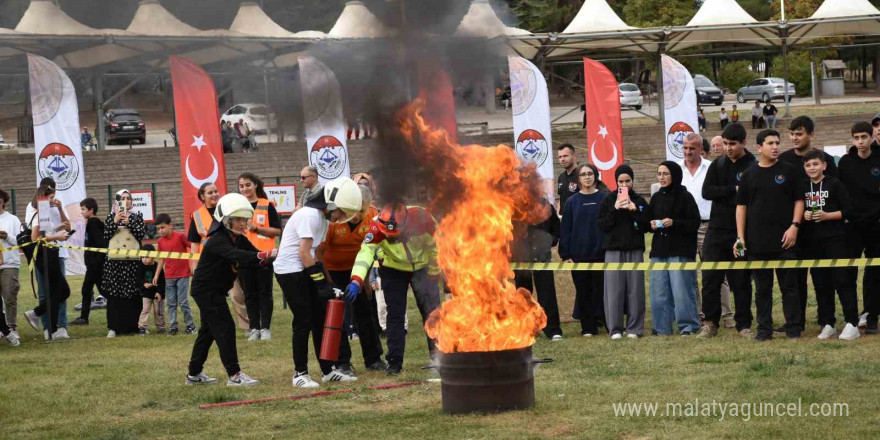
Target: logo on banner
point(531, 147)
point(523, 88)
point(675, 138)
point(199, 142)
point(59, 162)
point(328, 156)
point(604, 165)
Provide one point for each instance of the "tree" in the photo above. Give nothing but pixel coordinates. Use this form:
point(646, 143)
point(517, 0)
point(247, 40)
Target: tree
point(735, 74)
point(759, 9)
point(651, 13)
point(795, 8)
point(545, 15)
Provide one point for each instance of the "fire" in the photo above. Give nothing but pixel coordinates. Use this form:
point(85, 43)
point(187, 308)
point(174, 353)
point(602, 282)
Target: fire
point(491, 189)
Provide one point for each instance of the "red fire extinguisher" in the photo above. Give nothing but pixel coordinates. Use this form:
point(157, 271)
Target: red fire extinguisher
point(332, 330)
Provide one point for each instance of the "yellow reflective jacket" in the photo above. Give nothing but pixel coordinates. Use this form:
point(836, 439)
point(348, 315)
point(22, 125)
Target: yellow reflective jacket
point(415, 250)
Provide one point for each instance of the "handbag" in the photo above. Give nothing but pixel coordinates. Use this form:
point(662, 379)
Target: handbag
point(24, 237)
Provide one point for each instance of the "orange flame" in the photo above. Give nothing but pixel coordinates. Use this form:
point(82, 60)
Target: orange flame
point(493, 189)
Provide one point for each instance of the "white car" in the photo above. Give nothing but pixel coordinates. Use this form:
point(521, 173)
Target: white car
point(630, 95)
point(256, 116)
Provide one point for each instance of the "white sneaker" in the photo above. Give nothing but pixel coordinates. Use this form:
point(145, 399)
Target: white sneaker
point(111, 334)
point(200, 379)
point(304, 381)
point(632, 336)
point(850, 332)
point(863, 320)
point(616, 336)
point(336, 375)
point(61, 333)
point(265, 334)
point(254, 335)
point(827, 332)
point(13, 339)
point(587, 335)
point(556, 338)
point(241, 380)
point(32, 319)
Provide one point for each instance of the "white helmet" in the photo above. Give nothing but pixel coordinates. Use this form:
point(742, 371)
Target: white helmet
point(233, 205)
point(343, 194)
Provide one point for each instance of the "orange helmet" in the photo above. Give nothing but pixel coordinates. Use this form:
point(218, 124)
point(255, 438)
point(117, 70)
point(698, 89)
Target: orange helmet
point(392, 219)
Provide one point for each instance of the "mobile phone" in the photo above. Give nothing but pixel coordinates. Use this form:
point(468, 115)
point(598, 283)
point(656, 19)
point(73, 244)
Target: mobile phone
point(71, 232)
point(622, 194)
point(658, 224)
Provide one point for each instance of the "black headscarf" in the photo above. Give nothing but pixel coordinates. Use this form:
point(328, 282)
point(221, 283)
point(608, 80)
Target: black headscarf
point(677, 176)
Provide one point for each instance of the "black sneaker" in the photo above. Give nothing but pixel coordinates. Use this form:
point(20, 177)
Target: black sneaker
point(379, 365)
point(79, 321)
point(142, 332)
point(780, 329)
point(871, 330)
point(190, 329)
point(394, 369)
point(794, 335)
point(173, 332)
point(763, 338)
point(346, 369)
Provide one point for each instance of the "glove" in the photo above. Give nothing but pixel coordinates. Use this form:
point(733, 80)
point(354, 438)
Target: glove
point(351, 292)
point(316, 273)
point(266, 257)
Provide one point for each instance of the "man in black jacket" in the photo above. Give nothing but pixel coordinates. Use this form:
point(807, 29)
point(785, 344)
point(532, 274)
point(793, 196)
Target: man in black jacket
point(224, 253)
point(860, 173)
point(94, 260)
point(535, 246)
point(723, 179)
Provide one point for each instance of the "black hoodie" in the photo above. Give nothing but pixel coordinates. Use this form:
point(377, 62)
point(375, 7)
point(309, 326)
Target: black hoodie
point(537, 241)
point(624, 229)
point(676, 203)
point(722, 178)
point(223, 255)
point(862, 180)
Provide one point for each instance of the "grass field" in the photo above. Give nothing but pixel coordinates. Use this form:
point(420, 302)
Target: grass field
point(132, 387)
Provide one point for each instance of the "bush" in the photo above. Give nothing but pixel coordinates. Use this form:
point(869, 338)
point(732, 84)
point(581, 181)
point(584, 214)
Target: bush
point(798, 71)
point(735, 74)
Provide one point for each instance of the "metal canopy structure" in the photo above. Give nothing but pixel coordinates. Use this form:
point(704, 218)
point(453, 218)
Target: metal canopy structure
point(725, 21)
point(597, 27)
point(480, 21)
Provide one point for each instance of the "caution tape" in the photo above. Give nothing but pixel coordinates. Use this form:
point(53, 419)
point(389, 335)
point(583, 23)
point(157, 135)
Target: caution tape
point(706, 265)
point(129, 253)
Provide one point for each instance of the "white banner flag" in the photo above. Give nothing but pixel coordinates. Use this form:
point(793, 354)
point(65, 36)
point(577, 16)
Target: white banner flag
point(324, 122)
point(57, 145)
point(679, 106)
point(531, 119)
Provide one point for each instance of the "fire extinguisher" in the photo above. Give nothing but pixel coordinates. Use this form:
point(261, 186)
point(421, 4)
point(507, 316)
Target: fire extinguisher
point(332, 328)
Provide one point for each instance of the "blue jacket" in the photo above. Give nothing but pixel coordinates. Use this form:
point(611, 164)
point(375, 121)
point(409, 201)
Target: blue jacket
point(580, 238)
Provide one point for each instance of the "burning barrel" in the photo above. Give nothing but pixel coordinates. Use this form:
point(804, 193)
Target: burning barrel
point(488, 381)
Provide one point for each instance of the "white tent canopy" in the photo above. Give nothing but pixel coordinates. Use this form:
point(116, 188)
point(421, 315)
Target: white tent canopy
point(599, 27)
point(836, 18)
point(480, 21)
point(356, 21)
point(722, 21)
point(44, 17)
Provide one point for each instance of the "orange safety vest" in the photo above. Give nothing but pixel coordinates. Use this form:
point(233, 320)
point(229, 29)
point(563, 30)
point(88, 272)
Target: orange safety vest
point(203, 221)
point(343, 243)
point(261, 219)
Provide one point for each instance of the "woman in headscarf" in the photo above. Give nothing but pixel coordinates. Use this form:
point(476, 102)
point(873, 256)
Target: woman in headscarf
point(674, 220)
point(120, 276)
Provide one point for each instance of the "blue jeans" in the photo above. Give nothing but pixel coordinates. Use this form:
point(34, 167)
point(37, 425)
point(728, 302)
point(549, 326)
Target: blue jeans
point(176, 290)
point(674, 296)
point(41, 292)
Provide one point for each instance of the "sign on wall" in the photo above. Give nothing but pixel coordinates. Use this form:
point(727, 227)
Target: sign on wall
point(284, 197)
point(142, 202)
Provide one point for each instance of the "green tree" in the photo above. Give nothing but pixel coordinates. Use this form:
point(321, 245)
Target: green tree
point(795, 8)
point(735, 74)
point(759, 9)
point(650, 13)
point(798, 70)
point(698, 66)
point(545, 15)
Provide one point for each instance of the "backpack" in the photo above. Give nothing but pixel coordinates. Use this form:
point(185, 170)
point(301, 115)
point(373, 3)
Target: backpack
point(24, 238)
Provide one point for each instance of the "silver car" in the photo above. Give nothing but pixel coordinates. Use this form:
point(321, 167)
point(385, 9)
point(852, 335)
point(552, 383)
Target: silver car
point(765, 89)
point(630, 95)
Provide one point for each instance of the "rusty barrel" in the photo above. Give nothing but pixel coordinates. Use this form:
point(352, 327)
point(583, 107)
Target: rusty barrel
point(485, 382)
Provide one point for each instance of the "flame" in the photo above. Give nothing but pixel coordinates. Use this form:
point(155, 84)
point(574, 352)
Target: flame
point(491, 190)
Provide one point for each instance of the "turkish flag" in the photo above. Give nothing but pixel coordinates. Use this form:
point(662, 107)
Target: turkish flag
point(198, 131)
point(604, 130)
point(435, 88)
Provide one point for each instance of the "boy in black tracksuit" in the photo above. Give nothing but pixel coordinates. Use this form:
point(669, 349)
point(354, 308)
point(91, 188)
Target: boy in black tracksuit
point(769, 211)
point(860, 173)
point(94, 260)
point(826, 203)
point(153, 295)
point(723, 178)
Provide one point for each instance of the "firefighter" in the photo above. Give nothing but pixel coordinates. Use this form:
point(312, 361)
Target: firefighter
point(404, 236)
point(226, 251)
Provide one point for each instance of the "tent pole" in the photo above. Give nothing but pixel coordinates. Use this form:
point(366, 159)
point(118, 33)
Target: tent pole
point(660, 100)
point(99, 104)
point(268, 107)
point(814, 78)
point(785, 78)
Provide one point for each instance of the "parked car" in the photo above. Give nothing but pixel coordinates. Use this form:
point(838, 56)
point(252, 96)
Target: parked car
point(256, 116)
point(630, 95)
point(765, 89)
point(125, 124)
point(707, 91)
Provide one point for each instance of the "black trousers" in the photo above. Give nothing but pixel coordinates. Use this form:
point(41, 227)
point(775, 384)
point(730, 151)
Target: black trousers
point(4, 328)
point(91, 281)
point(589, 299)
point(216, 326)
point(864, 238)
point(257, 287)
point(545, 286)
point(308, 311)
point(123, 314)
point(395, 284)
point(364, 315)
point(718, 246)
point(791, 305)
point(828, 280)
point(57, 287)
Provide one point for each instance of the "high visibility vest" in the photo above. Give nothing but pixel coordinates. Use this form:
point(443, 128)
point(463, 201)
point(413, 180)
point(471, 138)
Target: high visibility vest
point(203, 220)
point(261, 219)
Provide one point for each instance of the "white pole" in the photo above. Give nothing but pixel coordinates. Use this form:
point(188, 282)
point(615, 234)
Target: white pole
point(782, 7)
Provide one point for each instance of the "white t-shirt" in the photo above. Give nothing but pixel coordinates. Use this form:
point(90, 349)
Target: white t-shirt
point(694, 185)
point(305, 223)
point(11, 225)
point(55, 216)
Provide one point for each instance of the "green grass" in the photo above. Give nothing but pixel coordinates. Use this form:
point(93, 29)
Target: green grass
point(132, 388)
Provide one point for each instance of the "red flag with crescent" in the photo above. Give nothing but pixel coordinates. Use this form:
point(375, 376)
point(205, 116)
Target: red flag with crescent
point(604, 130)
point(198, 131)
